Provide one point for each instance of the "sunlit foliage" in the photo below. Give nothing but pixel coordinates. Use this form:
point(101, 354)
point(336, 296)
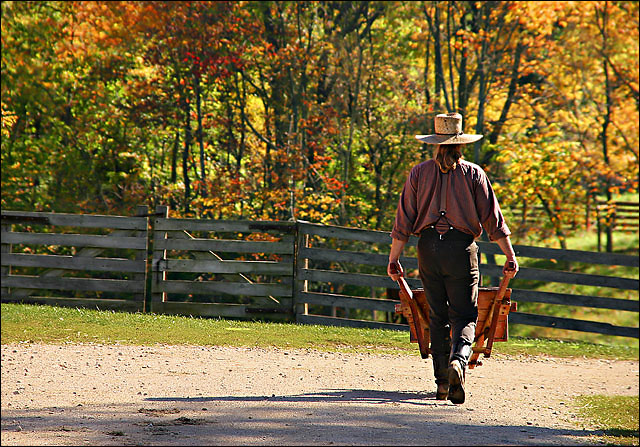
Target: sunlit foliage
point(307, 110)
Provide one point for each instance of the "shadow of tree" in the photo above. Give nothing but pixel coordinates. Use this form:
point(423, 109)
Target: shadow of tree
point(338, 395)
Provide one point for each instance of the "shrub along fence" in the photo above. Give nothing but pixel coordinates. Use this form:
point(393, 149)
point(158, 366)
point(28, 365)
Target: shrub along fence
point(285, 271)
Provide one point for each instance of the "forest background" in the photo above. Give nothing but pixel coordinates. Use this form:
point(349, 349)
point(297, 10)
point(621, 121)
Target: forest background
point(308, 110)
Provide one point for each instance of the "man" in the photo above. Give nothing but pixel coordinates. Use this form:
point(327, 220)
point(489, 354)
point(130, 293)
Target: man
point(448, 202)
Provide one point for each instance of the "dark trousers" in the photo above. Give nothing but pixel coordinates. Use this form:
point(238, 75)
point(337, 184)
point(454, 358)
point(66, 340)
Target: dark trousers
point(450, 277)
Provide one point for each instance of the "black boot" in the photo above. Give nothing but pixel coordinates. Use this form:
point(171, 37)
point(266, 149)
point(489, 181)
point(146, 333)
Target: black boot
point(459, 357)
point(440, 370)
point(440, 352)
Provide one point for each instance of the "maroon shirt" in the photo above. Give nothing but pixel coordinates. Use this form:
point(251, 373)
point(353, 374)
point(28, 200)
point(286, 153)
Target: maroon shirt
point(471, 203)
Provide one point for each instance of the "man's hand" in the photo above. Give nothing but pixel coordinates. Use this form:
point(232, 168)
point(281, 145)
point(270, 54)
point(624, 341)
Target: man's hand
point(510, 268)
point(394, 270)
point(507, 249)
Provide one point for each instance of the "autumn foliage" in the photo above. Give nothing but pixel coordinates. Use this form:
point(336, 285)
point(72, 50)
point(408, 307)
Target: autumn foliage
point(308, 110)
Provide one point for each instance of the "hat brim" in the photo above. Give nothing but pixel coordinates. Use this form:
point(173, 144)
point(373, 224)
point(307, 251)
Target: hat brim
point(449, 139)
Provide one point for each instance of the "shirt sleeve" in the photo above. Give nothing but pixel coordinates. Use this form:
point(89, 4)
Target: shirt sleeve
point(489, 212)
point(407, 208)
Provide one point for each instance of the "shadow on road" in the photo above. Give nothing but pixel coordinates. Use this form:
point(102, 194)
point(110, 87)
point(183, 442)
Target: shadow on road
point(307, 419)
point(361, 396)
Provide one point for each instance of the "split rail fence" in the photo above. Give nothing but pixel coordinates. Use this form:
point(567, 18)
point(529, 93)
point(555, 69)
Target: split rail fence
point(275, 271)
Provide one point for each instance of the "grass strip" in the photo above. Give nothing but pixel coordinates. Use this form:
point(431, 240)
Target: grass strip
point(49, 324)
point(616, 416)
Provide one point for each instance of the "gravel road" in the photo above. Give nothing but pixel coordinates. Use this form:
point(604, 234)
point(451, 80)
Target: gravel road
point(192, 395)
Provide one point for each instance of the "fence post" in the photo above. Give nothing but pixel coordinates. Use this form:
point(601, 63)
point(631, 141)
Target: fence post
point(598, 226)
point(612, 224)
point(6, 269)
point(142, 211)
point(158, 276)
point(300, 286)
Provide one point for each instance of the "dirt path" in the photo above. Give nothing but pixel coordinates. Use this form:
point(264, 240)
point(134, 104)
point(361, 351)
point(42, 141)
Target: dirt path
point(186, 395)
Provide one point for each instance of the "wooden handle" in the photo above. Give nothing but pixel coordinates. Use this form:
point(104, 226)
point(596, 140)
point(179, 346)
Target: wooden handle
point(510, 271)
point(395, 268)
point(406, 295)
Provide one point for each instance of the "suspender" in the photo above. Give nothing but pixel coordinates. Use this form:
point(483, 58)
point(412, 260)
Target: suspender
point(443, 194)
point(443, 200)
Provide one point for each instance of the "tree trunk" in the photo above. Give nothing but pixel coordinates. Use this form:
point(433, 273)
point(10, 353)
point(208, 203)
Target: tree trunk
point(241, 94)
point(605, 128)
point(463, 94)
point(513, 84)
point(174, 158)
point(482, 95)
point(453, 90)
point(185, 155)
point(427, 94)
point(434, 24)
point(200, 136)
point(352, 125)
point(480, 118)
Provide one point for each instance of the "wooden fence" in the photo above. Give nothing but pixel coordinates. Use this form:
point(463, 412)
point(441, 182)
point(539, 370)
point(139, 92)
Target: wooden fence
point(203, 268)
point(624, 216)
point(287, 271)
point(332, 277)
point(75, 260)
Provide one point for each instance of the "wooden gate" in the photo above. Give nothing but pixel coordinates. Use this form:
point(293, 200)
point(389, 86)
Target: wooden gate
point(223, 268)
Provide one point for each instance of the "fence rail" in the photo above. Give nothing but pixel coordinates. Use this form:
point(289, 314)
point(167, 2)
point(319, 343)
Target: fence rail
point(201, 267)
point(97, 270)
point(291, 271)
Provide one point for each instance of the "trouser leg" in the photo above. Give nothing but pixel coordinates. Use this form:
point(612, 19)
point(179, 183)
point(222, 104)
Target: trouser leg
point(440, 352)
point(450, 276)
point(436, 295)
point(439, 331)
point(461, 351)
point(461, 282)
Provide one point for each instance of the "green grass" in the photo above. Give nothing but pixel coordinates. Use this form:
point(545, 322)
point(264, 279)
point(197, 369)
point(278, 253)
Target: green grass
point(623, 242)
point(48, 324)
point(616, 416)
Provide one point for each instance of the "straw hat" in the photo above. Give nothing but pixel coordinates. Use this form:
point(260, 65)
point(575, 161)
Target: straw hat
point(448, 131)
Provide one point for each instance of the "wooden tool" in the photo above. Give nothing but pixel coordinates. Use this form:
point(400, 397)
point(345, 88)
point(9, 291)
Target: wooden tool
point(494, 305)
